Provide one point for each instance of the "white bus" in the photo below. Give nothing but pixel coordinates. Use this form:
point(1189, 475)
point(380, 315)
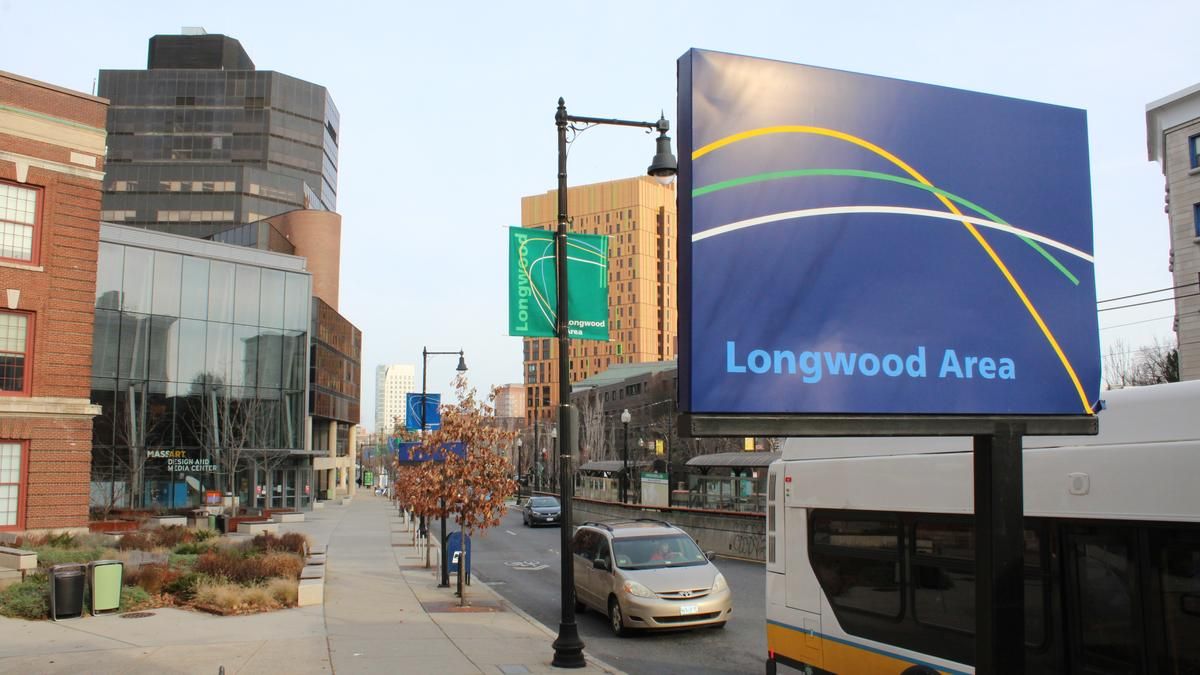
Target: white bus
point(870, 549)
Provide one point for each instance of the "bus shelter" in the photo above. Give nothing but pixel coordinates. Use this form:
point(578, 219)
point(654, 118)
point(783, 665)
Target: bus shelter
point(601, 479)
point(729, 481)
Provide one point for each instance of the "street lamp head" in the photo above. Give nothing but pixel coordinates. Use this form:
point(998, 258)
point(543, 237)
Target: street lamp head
point(664, 165)
point(625, 416)
point(519, 443)
point(554, 432)
point(462, 363)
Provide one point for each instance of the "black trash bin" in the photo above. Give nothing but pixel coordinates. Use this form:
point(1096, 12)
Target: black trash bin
point(222, 524)
point(66, 591)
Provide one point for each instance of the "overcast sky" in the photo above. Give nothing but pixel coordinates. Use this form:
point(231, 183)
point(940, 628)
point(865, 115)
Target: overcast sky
point(447, 119)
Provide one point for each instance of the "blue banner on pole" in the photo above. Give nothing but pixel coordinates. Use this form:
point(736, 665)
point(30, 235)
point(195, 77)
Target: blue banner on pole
point(432, 414)
point(410, 452)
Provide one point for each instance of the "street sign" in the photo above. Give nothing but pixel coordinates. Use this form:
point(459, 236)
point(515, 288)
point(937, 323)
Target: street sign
point(410, 452)
point(533, 284)
point(433, 413)
point(852, 244)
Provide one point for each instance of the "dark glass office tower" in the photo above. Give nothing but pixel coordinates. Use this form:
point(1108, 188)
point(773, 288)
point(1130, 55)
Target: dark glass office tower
point(201, 141)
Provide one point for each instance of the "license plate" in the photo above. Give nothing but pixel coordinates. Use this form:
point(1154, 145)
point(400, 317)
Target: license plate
point(689, 609)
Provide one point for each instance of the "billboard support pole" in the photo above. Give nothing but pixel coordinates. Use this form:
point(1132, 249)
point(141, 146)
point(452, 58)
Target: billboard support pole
point(999, 552)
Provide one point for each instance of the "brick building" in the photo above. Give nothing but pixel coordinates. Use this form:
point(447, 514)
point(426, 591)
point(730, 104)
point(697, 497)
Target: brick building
point(52, 144)
point(639, 217)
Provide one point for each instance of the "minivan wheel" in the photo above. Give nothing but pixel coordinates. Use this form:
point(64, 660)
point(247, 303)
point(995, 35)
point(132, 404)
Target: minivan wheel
point(616, 622)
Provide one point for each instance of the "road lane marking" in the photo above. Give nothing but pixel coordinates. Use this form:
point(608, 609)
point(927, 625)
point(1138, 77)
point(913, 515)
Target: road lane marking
point(511, 532)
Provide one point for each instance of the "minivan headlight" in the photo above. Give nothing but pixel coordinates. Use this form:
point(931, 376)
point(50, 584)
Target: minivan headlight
point(719, 583)
point(634, 588)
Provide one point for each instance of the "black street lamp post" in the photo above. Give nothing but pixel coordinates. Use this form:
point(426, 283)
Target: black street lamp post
point(568, 648)
point(625, 417)
point(462, 368)
point(554, 442)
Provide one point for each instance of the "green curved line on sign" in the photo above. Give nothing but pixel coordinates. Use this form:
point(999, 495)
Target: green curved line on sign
point(875, 175)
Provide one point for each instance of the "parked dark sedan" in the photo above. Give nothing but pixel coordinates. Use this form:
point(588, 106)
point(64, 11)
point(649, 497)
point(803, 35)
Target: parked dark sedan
point(542, 511)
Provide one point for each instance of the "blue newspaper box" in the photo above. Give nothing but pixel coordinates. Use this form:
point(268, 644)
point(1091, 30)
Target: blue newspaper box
point(452, 546)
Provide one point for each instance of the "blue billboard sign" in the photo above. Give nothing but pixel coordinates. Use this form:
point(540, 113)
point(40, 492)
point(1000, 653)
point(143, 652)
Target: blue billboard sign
point(852, 244)
point(408, 452)
point(432, 414)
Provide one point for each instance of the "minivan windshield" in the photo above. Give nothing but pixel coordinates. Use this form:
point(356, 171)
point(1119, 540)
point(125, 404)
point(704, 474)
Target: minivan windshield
point(640, 553)
point(543, 502)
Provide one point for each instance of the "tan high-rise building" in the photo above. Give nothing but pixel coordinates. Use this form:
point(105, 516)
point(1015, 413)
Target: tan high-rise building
point(639, 217)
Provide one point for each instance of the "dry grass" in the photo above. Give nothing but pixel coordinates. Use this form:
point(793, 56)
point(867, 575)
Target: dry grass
point(285, 591)
point(230, 598)
point(234, 566)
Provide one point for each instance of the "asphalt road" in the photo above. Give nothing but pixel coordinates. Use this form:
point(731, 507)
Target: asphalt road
point(522, 565)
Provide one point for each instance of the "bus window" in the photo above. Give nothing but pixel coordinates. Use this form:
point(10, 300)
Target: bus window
point(857, 561)
point(1179, 565)
point(943, 578)
point(1107, 635)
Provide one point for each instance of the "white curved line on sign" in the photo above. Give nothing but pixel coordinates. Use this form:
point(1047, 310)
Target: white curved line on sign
point(899, 210)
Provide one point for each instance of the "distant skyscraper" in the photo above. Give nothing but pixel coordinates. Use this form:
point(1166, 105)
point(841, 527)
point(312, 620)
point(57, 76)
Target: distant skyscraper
point(638, 215)
point(201, 141)
point(1173, 140)
point(392, 382)
point(510, 401)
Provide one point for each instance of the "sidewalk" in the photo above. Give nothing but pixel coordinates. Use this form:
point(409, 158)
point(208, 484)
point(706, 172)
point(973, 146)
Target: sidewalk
point(383, 613)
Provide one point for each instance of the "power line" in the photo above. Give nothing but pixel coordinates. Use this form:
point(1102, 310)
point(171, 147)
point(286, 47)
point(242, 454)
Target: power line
point(1138, 295)
point(1134, 323)
point(1148, 302)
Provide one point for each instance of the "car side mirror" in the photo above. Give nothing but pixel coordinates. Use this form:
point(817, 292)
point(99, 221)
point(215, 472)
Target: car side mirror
point(710, 554)
point(600, 564)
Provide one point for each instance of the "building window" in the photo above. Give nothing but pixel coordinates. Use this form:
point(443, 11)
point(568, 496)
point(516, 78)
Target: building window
point(1196, 218)
point(14, 352)
point(12, 501)
point(18, 221)
point(1194, 151)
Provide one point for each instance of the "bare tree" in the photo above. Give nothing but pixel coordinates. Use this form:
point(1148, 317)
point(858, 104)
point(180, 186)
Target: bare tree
point(591, 426)
point(1155, 363)
point(232, 429)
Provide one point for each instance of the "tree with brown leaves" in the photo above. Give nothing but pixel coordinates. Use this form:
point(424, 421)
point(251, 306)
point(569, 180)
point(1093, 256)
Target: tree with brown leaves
point(471, 490)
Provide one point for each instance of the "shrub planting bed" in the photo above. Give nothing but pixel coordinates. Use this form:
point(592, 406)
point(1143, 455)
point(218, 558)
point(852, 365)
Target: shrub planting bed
point(198, 570)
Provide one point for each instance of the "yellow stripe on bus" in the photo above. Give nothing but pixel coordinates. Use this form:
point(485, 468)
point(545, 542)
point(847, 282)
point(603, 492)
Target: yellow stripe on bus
point(833, 655)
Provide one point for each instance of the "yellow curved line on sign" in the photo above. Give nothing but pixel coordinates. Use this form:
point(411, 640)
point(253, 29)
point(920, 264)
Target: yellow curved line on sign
point(833, 133)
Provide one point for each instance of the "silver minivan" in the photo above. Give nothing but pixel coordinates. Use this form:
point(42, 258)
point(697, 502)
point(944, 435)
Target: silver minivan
point(647, 574)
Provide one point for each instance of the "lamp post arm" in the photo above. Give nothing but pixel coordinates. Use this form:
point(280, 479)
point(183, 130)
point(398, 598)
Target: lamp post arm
point(652, 126)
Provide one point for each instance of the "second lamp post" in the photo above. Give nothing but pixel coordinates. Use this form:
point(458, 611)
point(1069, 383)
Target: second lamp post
point(462, 368)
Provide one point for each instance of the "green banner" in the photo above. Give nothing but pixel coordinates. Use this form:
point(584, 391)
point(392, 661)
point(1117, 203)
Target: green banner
point(533, 285)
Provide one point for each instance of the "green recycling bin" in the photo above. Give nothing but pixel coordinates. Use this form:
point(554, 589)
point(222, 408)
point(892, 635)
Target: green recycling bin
point(104, 577)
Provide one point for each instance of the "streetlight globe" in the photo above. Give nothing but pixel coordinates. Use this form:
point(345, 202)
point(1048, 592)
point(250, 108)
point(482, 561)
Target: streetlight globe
point(664, 166)
point(625, 416)
point(554, 432)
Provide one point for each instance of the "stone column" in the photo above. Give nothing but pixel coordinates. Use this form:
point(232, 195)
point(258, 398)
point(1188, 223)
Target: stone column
point(352, 443)
point(336, 481)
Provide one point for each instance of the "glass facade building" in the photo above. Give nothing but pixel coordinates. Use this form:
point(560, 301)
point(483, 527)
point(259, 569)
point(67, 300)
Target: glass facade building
point(200, 142)
point(200, 364)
